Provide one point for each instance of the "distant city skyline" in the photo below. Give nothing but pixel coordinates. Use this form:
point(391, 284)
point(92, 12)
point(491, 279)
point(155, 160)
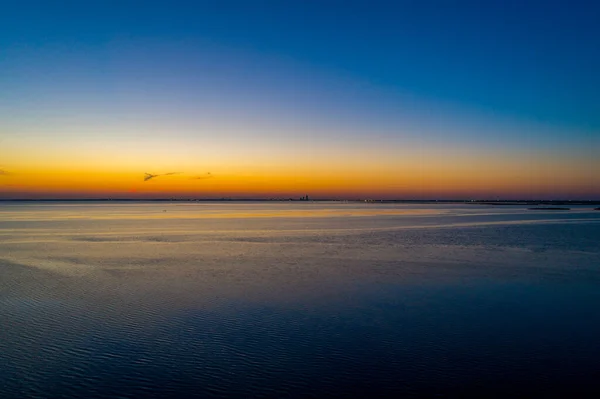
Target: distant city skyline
point(340, 100)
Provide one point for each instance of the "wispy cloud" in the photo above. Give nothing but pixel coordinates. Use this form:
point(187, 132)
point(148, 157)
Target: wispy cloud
point(149, 176)
point(4, 172)
point(202, 177)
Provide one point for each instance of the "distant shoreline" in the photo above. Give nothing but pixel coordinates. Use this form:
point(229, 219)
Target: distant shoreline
point(380, 201)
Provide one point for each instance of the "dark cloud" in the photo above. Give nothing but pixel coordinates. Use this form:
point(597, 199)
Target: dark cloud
point(149, 176)
point(202, 177)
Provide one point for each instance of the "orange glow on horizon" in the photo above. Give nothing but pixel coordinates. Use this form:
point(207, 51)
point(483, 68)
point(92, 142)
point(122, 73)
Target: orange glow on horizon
point(348, 171)
point(374, 183)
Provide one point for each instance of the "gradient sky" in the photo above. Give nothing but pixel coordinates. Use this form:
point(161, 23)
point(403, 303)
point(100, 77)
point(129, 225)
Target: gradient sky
point(343, 99)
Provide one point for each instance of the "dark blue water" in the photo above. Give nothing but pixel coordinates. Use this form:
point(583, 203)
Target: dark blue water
point(326, 300)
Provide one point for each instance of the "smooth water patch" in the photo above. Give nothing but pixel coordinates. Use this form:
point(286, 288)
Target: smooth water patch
point(451, 301)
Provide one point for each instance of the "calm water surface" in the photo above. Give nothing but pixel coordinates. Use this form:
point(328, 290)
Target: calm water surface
point(298, 300)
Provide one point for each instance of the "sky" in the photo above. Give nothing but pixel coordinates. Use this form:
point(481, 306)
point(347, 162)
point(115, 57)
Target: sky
point(277, 99)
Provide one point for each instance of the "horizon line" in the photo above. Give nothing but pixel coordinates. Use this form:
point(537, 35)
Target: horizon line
point(368, 200)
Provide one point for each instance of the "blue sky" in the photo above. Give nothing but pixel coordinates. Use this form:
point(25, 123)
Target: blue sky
point(534, 60)
point(515, 76)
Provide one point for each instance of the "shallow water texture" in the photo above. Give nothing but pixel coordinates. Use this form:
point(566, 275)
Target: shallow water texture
point(297, 300)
